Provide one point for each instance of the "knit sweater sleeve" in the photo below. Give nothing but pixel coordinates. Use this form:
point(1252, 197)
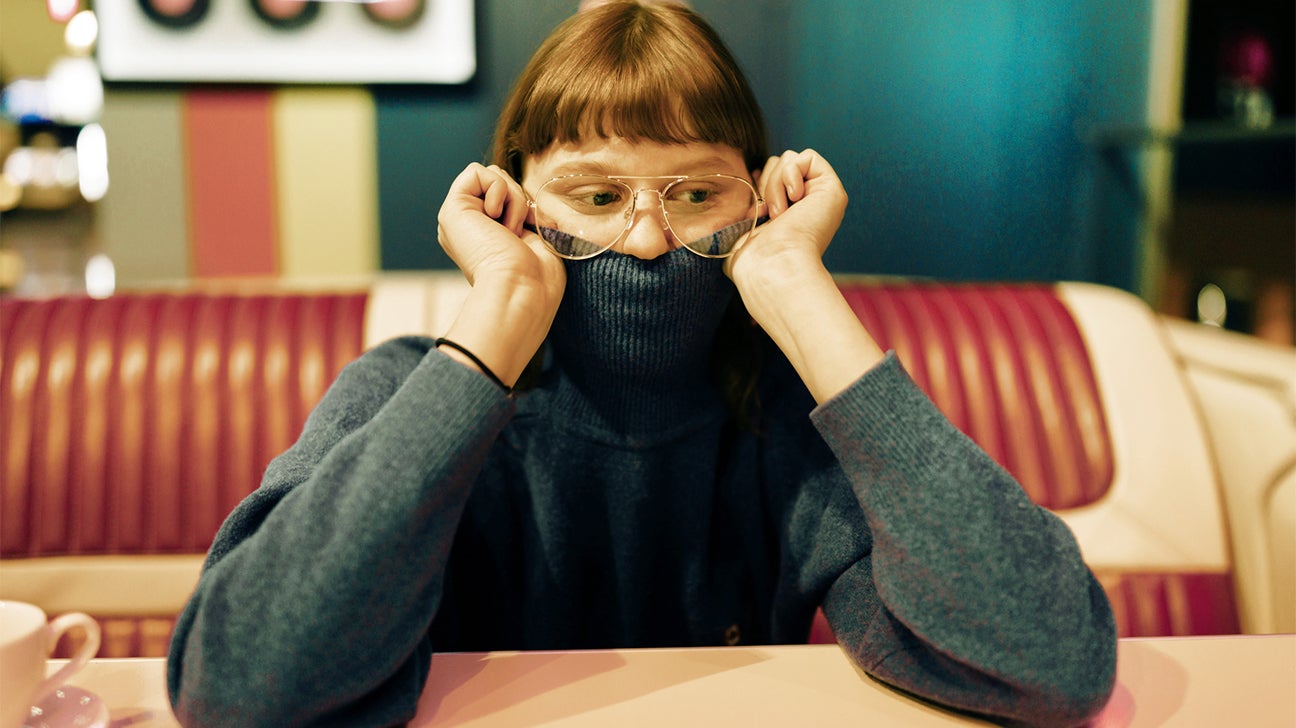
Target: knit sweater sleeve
point(970, 595)
point(316, 596)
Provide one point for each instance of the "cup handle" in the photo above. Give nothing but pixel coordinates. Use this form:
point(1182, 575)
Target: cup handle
point(89, 648)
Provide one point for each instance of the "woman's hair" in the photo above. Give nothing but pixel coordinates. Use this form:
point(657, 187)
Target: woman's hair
point(653, 72)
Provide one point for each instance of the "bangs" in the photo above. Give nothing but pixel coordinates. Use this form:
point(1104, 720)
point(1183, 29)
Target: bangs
point(637, 72)
point(650, 101)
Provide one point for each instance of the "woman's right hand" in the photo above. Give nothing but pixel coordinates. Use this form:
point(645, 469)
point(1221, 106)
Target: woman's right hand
point(480, 226)
point(517, 283)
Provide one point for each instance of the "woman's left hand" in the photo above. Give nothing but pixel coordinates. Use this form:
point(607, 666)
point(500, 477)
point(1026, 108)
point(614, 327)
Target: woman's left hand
point(779, 272)
point(805, 202)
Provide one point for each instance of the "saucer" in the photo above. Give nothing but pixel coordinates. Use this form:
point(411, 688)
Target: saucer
point(69, 707)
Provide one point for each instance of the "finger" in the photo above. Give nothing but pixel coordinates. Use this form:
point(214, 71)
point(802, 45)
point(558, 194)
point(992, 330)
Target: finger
point(495, 197)
point(795, 170)
point(516, 209)
point(818, 168)
point(762, 210)
point(468, 190)
point(774, 193)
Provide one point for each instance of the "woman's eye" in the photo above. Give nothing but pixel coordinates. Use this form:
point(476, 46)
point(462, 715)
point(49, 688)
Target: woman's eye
point(592, 197)
point(695, 196)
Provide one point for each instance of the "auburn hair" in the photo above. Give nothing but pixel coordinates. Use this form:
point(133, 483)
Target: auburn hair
point(655, 72)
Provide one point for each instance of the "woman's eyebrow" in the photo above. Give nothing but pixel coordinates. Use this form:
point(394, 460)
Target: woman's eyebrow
point(706, 165)
point(701, 165)
point(583, 167)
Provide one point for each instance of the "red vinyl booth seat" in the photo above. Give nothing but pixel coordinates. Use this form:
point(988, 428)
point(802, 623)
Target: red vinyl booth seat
point(1010, 367)
point(132, 425)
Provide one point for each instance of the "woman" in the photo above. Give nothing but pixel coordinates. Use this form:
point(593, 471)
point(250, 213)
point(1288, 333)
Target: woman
point(668, 475)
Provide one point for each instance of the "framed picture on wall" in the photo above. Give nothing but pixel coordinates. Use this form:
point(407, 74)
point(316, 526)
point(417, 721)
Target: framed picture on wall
point(287, 41)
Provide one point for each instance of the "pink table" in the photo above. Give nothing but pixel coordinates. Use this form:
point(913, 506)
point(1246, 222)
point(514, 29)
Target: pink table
point(1206, 681)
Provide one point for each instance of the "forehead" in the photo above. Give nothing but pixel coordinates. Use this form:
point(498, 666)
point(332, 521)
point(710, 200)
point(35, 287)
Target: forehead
point(617, 156)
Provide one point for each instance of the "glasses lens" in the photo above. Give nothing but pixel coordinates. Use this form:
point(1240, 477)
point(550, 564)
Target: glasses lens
point(581, 216)
point(708, 214)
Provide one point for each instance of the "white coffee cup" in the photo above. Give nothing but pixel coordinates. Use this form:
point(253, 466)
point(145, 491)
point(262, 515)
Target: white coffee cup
point(26, 640)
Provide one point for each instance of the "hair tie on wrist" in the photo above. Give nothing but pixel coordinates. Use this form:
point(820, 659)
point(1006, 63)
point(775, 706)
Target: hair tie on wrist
point(485, 369)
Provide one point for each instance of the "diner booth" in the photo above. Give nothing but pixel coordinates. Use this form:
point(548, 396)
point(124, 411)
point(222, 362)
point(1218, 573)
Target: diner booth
point(135, 416)
point(133, 424)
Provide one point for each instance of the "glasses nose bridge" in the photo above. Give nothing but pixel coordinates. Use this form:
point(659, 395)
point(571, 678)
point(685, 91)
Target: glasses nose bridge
point(660, 205)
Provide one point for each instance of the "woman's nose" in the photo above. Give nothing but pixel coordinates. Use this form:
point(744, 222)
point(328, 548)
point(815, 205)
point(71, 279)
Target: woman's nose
point(648, 236)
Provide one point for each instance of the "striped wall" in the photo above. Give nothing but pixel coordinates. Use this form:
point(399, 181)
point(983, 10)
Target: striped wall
point(212, 180)
point(222, 181)
point(1032, 204)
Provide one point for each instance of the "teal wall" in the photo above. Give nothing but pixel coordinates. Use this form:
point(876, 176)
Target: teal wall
point(956, 125)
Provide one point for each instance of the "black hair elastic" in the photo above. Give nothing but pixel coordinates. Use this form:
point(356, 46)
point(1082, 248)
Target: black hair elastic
point(485, 369)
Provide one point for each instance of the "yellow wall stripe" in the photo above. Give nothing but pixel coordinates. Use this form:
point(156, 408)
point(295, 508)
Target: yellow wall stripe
point(143, 221)
point(326, 181)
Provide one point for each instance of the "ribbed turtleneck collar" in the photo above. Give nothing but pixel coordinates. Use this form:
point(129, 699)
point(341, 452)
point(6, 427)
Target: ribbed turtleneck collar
point(631, 346)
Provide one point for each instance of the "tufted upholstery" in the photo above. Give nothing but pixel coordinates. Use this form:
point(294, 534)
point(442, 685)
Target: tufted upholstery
point(1008, 366)
point(132, 425)
point(1011, 367)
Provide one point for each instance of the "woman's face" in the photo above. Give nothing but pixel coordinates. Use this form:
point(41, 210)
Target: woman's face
point(648, 236)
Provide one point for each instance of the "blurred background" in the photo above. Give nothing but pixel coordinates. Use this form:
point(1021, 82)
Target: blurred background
point(1144, 144)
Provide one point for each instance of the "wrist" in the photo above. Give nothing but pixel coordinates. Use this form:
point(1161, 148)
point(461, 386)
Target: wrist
point(769, 285)
point(503, 325)
point(801, 308)
point(465, 356)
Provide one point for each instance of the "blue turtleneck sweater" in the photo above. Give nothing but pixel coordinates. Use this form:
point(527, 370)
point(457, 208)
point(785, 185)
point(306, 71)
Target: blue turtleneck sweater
point(618, 505)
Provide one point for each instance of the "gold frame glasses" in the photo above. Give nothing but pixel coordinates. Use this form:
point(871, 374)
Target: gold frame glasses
point(580, 216)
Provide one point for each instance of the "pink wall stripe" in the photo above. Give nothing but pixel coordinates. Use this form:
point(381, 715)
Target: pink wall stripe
point(228, 145)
